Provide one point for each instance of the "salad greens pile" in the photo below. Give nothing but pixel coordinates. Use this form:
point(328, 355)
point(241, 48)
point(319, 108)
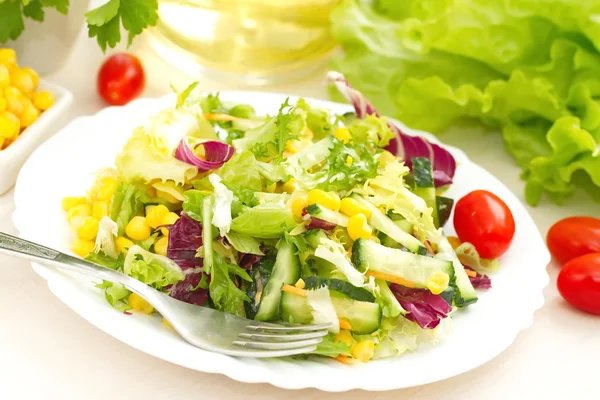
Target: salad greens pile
point(530, 69)
point(301, 217)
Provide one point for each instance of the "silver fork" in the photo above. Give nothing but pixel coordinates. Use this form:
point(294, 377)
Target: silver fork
point(203, 327)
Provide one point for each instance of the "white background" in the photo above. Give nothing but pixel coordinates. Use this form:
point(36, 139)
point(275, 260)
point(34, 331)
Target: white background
point(48, 352)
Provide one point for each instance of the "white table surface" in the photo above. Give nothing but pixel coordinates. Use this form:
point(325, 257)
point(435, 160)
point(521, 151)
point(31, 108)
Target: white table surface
point(49, 352)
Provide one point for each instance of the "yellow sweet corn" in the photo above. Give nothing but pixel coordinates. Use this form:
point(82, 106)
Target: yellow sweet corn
point(15, 100)
point(69, 202)
point(8, 57)
point(107, 187)
point(168, 219)
point(139, 304)
point(437, 282)
point(358, 227)
point(300, 283)
point(100, 209)
point(271, 188)
point(138, 229)
point(81, 210)
point(33, 74)
point(22, 80)
point(160, 246)
point(43, 100)
point(123, 244)
point(4, 77)
point(155, 215)
point(349, 160)
point(363, 351)
point(351, 207)
point(10, 125)
point(289, 186)
point(89, 229)
point(3, 104)
point(328, 200)
point(29, 114)
point(345, 337)
point(298, 207)
point(342, 134)
point(82, 247)
point(76, 222)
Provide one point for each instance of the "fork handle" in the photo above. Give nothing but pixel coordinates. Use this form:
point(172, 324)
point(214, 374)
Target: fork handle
point(21, 248)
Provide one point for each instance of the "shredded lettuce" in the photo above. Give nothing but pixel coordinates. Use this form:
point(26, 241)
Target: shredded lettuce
point(152, 269)
point(222, 205)
point(322, 308)
point(265, 221)
point(105, 239)
point(126, 203)
point(335, 253)
point(116, 295)
point(225, 295)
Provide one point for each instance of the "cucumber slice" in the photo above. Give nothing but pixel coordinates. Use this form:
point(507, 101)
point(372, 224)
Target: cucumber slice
point(364, 317)
point(444, 209)
point(424, 188)
point(381, 222)
point(295, 309)
point(368, 255)
point(285, 271)
point(318, 211)
point(464, 292)
point(340, 286)
point(314, 236)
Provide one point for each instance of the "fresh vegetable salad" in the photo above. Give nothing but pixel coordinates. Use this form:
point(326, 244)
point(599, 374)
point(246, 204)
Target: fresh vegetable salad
point(301, 216)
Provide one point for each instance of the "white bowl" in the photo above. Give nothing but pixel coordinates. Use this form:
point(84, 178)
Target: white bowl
point(49, 122)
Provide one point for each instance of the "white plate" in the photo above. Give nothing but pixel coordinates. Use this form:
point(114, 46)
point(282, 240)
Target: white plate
point(13, 157)
point(65, 164)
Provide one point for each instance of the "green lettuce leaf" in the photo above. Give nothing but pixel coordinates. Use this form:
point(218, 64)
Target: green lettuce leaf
point(225, 295)
point(330, 348)
point(116, 294)
point(152, 269)
point(265, 221)
point(126, 203)
point(531, 72)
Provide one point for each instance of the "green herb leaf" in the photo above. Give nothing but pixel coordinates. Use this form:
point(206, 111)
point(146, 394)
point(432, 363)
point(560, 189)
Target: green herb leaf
point(11, 20)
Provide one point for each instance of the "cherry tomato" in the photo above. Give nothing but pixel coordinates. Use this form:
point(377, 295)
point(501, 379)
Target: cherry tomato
point(573, 237)
point(120, 79)
point(484, 220)
point(579, 283)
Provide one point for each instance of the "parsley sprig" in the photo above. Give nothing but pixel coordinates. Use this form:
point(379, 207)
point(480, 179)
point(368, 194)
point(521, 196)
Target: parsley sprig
point(104, 23)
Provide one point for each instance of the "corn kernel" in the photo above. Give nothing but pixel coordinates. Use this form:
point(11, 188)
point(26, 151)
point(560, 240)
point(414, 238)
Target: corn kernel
point(10, 125)
point(69, 202)
point(454, 241)
point(160, 246)
point(328, 200)
point(168, 219)
point(81, 210)
point(351, 207)
point(2, 140)
point(358, 227)
point(108, 185)
point(300, 283)
point(298, 207)
point(292, 146)
point(363, 351)
point(167, 196)
point(15, 100)
point(349, 160)
point(76, 222)
point(385, 157)
point(8, 57)
point(123, 244)
point(139, 304)
point(437, 282)
point(345, 337)
point(43, 100)
point(138, 229)
point(4, 77)
point(100, 209)
point(289, 186)
point(3, 104)
point(82, 247)
point(89, 229)
point(29, 115)
point(271, 188)
point(342, 134)
point(33, 74)
point(22, 81)
point(155, 215)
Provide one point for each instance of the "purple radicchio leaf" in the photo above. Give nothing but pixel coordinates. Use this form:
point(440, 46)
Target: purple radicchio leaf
point(422, 306)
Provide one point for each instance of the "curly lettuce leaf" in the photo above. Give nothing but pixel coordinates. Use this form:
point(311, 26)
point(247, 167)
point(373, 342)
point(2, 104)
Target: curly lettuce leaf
point(152, 269)
point(532, 72)
point(225, 295)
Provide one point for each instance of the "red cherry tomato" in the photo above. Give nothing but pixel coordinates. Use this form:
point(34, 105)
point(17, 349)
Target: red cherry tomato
point(579, 283)
point(120, 79)
point(485, 221)
point(573, 237)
